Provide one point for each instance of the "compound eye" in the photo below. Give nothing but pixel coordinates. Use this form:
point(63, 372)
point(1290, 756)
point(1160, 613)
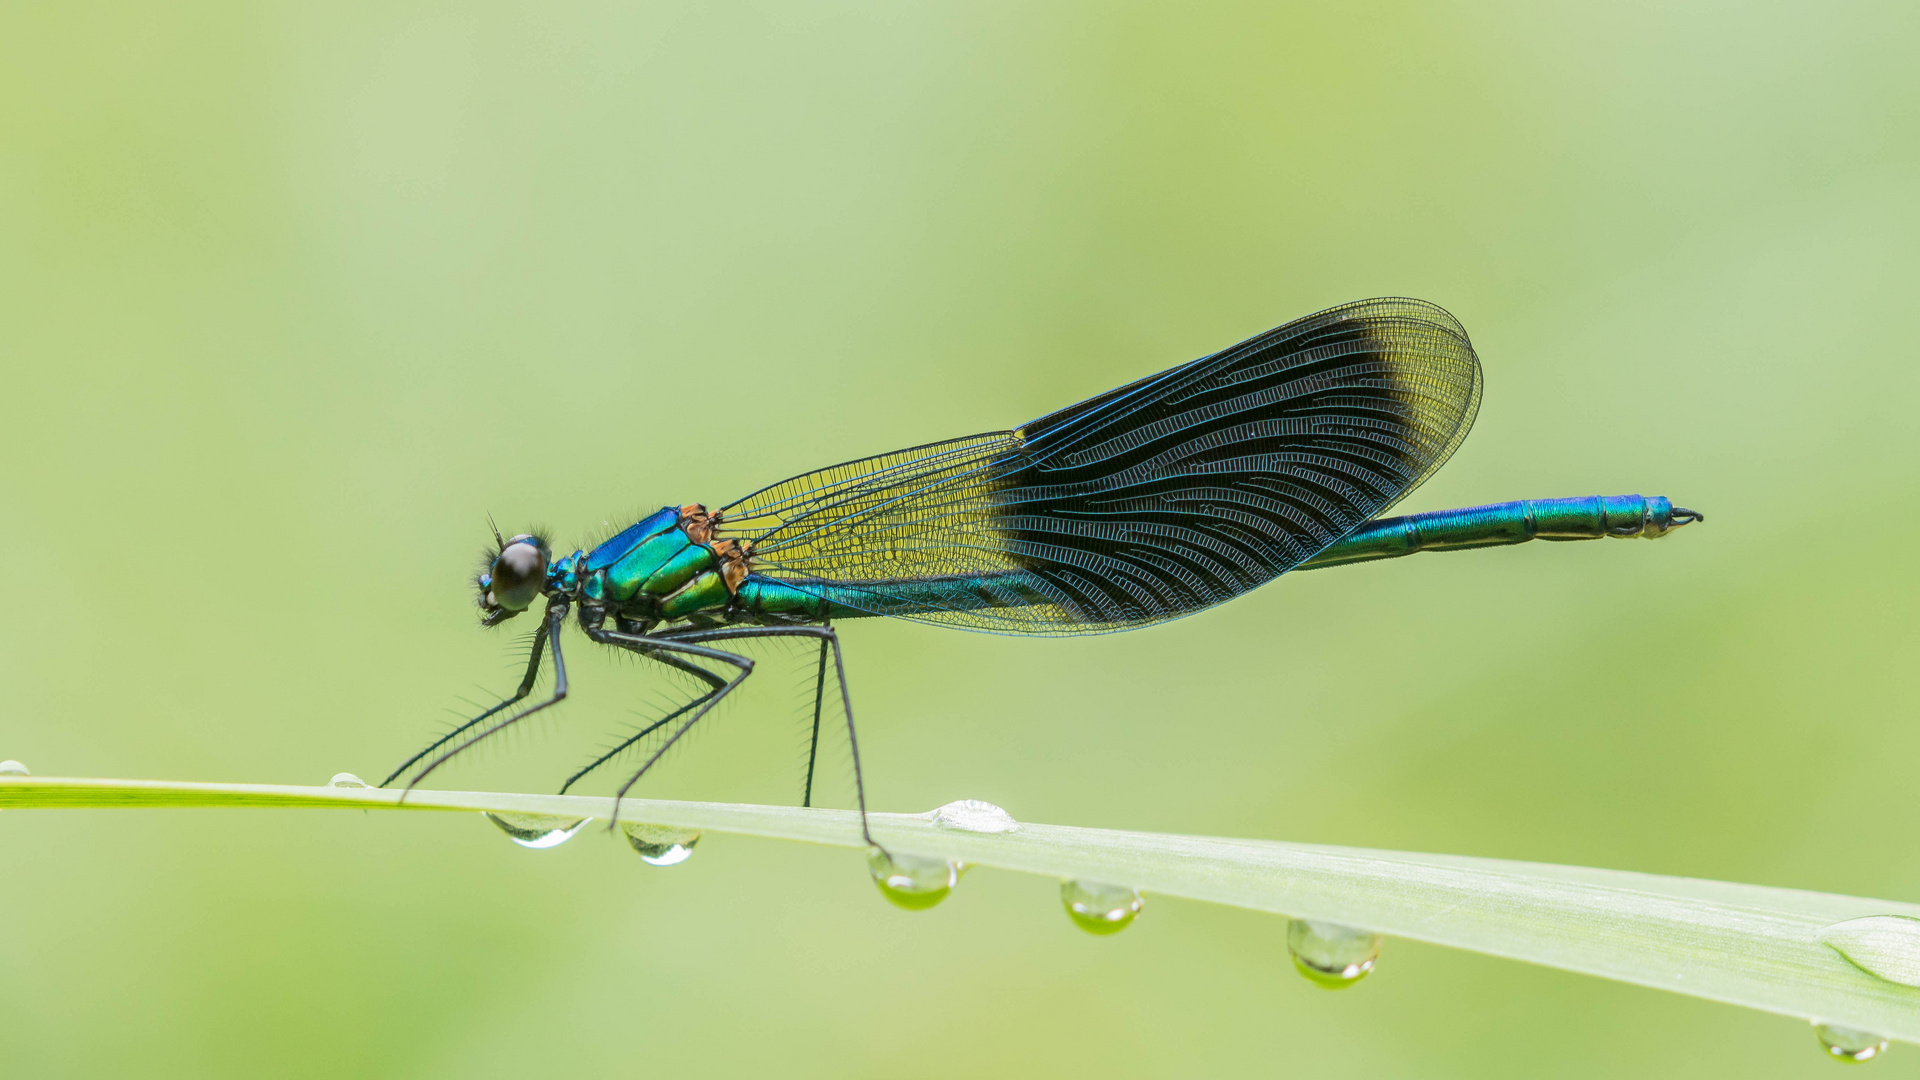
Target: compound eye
point(519, 572)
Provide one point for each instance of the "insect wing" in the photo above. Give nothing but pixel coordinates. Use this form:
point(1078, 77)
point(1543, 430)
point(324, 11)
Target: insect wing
point(1145, 503)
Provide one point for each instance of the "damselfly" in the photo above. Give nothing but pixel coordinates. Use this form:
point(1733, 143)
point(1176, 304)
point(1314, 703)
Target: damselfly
point(1144, 504)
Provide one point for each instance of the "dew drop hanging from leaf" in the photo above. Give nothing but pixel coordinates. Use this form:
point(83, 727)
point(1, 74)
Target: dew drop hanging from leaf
point(536, 830)
point(913, 882)
point(1331, 955)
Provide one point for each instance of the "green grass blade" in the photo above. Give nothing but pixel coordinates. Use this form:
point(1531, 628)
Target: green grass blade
point(1744, 944)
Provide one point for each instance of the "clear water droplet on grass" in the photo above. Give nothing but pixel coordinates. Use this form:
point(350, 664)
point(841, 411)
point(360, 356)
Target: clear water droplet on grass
point(1098, 908)
point(973, 815)
point(660, 845)
point(347, 779)
point(913, 882)
point(536, 830)
point(1885, 946)
point(13, 768)
point(1849, 1045)
point(1331, 955)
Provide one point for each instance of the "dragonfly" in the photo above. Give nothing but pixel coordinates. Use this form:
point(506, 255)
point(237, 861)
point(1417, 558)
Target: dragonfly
point(1147, 503)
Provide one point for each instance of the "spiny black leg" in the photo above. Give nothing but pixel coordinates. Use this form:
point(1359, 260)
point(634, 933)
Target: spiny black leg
point(526, 687)
point(744, 665)
point(813, 744)
point(556, 621)
point(630, 740)
point(713, 681)
point(827, 635)
point(853, 741)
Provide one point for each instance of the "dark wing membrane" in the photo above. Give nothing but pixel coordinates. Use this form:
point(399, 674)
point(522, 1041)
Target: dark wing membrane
point(1145, 503)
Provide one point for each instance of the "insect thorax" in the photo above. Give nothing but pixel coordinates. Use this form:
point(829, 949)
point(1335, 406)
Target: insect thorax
point(668, 567)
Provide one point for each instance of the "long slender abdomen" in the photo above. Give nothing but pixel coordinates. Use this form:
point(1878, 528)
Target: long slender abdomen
point(1589, 517)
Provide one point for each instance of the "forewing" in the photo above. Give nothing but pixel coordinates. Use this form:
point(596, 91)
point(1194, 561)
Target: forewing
point(1145, 503)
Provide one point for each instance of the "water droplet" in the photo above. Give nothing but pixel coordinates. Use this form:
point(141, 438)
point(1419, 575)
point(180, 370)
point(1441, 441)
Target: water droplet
point(13, 768)
point(912, 881)
point(660, 845)
point(1331, 955)
point(347, 779)
point(973, 815)
point(536, 830)
point(1849, 1044)
point(1887, 946)
point(1100, 909)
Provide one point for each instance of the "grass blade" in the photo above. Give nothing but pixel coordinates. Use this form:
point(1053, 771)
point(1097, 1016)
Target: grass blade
point(1749, 945)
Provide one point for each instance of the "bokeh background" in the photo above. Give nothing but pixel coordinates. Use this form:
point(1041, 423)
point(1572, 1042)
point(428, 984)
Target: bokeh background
point(292, 295)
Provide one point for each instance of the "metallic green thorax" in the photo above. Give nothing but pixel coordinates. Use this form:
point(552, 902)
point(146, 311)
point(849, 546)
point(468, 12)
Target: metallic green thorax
point(664, 569)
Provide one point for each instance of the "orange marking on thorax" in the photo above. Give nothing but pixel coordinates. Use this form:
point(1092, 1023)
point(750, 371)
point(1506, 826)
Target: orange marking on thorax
point(733, 556)
point(701, 528)
point(697, 523)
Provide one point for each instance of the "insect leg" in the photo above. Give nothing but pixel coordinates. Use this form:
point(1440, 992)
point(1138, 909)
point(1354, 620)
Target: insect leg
point(829, 639)
point(714, 684)
point(526, 687)
point(556, 621)
point(813, 742)
point(744, 666)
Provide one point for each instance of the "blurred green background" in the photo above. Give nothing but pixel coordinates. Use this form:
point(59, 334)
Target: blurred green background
point(291, 296)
